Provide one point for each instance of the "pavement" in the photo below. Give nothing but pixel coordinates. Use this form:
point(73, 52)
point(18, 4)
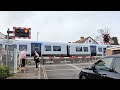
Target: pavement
point(30, 73)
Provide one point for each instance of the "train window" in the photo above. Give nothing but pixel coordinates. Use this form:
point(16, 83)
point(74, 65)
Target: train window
point(14, 45)
point(56, 48)
point(100, 49)
point(21, 47)
point(79, 49)
point(109, 46)
point(85, 49)
point(0, 45)
point(47, 48)
point(11, 46)
point(104, 49)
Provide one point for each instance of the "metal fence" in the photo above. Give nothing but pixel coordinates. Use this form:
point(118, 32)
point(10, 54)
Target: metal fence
point(2, 56)
point(9, 58)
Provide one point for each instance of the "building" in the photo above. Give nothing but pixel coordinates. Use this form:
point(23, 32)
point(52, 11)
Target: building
point(2, 36)
point(87, 40)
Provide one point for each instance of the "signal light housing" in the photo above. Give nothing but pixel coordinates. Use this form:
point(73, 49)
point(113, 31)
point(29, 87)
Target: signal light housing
point(20, 32)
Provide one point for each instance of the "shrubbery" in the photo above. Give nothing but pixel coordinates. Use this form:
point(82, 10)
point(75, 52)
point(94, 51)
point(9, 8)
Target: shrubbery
point(4, 72)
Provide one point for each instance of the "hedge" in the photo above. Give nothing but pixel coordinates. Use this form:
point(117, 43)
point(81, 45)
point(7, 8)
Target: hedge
point(4, 72)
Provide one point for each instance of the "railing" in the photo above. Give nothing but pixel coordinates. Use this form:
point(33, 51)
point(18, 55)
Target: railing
point(2, 54)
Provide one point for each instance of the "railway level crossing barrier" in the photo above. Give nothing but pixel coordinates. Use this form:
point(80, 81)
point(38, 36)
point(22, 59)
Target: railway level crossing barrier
point(72, 59)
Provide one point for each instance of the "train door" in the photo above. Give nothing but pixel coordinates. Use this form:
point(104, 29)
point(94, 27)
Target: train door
point(93, 50)
point(68, 50)
point(35, 47)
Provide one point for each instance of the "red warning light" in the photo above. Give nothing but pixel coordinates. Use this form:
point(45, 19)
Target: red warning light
point(26, 31)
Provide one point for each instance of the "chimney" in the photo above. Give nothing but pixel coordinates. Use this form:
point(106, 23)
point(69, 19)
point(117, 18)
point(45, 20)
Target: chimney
point(81, 38)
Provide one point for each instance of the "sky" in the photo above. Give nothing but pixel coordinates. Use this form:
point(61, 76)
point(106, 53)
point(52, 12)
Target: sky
point(61, 26)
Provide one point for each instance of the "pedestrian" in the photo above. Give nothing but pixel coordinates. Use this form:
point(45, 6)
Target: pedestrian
point(22, 57)
point(36, 59)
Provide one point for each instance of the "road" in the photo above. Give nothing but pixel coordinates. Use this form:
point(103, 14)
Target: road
point(64, 71)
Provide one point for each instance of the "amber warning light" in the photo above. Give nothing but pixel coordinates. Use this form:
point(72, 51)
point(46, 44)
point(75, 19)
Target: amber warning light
point(26, 31)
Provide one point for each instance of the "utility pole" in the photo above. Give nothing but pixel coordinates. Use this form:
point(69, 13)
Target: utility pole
point(7, 46)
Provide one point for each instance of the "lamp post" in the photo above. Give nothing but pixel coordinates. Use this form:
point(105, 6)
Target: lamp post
point(37, 35)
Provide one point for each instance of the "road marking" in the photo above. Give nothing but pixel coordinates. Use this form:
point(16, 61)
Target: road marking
point(82, 63)
point(64, 61)
point(44, 72)
point(61, 69)
point(49, 62)
point(74, 66)
point(39, 72)
point(57, 65)
point(60, 64)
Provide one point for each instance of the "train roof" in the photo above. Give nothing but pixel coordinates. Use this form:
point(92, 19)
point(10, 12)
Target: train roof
point(87, 44)
point(46, 42)
point(55, 43)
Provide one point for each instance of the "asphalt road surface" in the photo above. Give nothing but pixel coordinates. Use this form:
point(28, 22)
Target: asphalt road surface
point(64, 71)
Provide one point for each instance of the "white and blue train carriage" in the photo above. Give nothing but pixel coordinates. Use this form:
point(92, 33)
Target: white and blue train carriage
point(54, 49)
point(86, 49)
point(57, 49)
point(75, 49)
point(30, 46)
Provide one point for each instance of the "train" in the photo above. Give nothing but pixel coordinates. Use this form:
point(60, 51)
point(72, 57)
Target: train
point(56, 49)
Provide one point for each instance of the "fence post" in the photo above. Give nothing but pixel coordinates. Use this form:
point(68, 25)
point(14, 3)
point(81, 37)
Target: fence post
point(39, 76)
point(15, 61)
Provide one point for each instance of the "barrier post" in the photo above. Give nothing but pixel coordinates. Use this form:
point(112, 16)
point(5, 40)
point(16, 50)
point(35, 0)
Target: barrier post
point(90, 59)
point(39, 76)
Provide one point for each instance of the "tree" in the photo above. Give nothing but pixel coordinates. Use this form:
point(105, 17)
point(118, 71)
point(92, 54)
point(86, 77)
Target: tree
point(115, 41)
point(101, 32)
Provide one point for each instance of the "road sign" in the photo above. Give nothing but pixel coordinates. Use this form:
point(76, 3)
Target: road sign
point(7, 42)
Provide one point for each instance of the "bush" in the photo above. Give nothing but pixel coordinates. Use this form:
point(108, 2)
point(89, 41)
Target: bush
point(4, 72)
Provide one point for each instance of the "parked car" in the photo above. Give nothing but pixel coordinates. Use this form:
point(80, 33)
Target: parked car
point(105, 68)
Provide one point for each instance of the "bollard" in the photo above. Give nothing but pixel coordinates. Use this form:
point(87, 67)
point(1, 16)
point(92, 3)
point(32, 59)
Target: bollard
point(39, 76)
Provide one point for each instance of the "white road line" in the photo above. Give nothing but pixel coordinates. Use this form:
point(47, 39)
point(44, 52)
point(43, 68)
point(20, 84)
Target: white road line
point(82, 63)
point(57, 65)
point(39, 72)
point(61, 69)
point(44, 72)
point(74, 66)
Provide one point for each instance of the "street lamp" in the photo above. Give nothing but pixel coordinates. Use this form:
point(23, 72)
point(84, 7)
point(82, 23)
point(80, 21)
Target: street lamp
point(37, 35)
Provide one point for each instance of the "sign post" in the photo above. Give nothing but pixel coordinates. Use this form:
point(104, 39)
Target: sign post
point(8, 43)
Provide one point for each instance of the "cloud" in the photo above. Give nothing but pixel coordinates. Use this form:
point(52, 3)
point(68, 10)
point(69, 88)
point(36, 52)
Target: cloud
point(61, 26)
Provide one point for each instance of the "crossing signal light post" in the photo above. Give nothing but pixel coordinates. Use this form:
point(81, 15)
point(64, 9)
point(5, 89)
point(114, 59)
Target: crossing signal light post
point(106, 38)
point(22, 32)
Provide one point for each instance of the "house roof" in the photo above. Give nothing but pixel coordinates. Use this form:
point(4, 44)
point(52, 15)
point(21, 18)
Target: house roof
point(82, 41)
point(2, 35)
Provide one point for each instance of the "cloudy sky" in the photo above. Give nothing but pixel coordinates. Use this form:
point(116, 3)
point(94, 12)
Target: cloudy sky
point(62, 26)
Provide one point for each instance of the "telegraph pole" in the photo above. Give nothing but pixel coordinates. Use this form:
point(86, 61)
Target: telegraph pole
point(7, 46)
